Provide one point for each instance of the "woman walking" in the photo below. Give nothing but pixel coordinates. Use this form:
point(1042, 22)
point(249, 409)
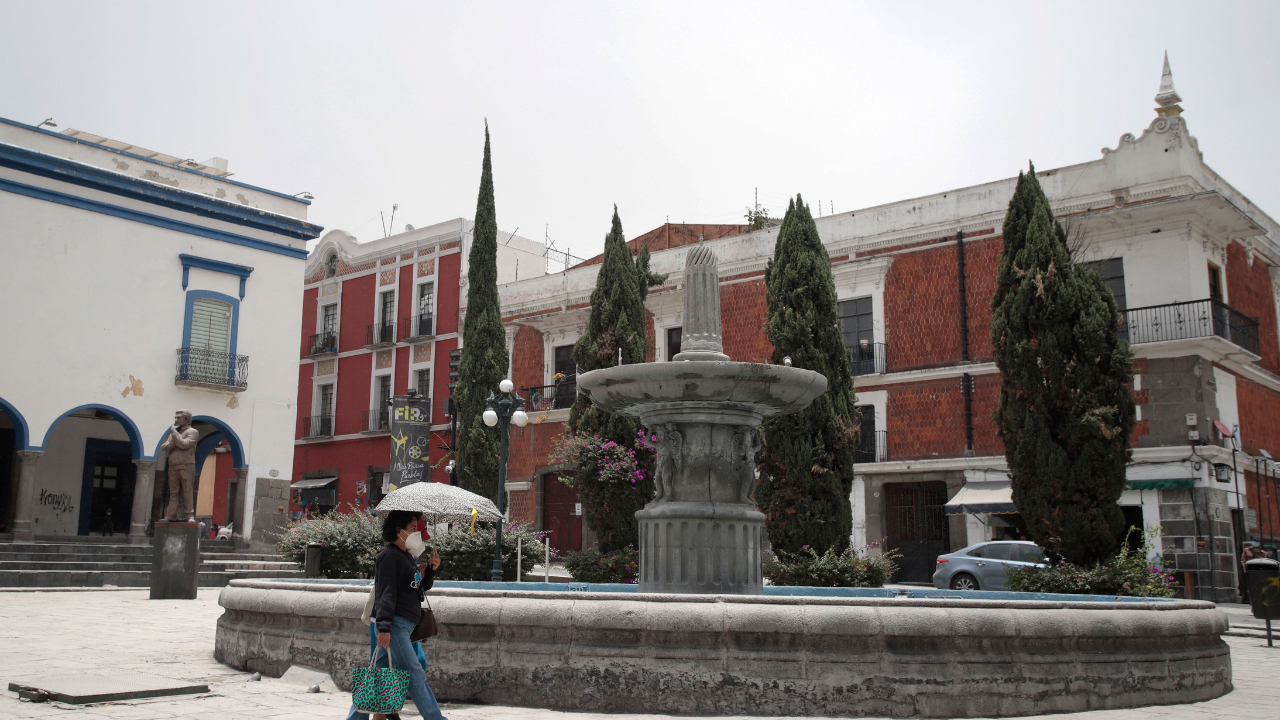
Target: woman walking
point(399, 585)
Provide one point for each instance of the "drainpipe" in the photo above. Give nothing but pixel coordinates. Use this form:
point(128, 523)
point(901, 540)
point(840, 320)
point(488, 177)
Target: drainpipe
point(964, 347)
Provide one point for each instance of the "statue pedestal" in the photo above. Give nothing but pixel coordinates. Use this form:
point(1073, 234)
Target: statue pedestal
point(175, 561)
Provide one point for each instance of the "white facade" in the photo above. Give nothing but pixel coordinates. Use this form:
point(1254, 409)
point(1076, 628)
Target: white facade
point(106, 252)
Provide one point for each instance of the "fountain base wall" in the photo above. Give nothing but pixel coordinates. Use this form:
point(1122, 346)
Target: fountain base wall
point(701, 548)
point(725, 655)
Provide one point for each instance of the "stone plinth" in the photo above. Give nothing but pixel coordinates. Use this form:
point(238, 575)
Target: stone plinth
point(764, 655)
point(175, 561)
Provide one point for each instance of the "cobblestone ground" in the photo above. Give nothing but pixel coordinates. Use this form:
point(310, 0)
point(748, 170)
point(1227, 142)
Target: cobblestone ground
point(101, 632)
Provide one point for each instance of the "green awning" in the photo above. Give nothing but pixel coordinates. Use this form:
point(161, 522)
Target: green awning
point(1160, 484)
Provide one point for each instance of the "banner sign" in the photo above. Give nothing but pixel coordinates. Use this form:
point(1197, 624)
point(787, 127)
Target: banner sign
point(410, 440)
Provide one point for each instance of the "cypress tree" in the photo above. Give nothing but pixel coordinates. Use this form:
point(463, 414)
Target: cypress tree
point(616, 323)
point(484, 358)
point(806, 462)
point(1065, 412)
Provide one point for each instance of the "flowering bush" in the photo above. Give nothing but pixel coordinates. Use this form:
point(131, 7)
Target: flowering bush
point(1128, 573)
point(352, 541)
point(851, 568)
point(604, 461)
point(464, 556)
point(558, 377)
point(593, 566)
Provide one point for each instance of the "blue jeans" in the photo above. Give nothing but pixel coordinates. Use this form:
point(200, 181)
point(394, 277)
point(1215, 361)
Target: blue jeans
point(403, 656)
point(373, 644)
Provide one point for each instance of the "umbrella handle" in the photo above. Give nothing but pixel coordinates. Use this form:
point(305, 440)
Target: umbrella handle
point(474, 514)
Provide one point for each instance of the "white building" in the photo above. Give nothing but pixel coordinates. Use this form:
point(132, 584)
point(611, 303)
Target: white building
point(137, 284)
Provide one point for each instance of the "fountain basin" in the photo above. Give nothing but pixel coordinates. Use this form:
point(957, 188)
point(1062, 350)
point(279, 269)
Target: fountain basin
point(771, 655)
point(741, 390)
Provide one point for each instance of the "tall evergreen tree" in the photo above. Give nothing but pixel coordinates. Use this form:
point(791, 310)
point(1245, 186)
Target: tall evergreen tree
point(1065, 412)
point(616, 324)
point(806, 464)
point(484, 358)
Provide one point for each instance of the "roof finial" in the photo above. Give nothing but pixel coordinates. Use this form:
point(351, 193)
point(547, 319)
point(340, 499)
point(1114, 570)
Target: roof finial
point(1167, 98)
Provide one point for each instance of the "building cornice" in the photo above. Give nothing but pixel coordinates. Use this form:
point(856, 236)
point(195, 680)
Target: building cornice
point(134, 188)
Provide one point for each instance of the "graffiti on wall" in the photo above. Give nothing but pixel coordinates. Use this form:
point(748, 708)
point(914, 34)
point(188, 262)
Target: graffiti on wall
point(58, 502)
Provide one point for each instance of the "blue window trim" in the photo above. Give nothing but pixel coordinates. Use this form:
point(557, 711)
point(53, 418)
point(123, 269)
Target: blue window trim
point(190, 261)
point(22, 434)
point(191, 303)
point(81, 141)
point(134, 188)
point(148, 219)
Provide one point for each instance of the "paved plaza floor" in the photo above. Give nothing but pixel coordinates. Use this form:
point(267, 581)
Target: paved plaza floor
point(101, 632)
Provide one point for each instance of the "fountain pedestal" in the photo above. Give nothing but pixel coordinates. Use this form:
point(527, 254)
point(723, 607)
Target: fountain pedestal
point(702, 532)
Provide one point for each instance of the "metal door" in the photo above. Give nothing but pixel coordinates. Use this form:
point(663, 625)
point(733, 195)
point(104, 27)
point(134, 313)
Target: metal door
point(917, 527)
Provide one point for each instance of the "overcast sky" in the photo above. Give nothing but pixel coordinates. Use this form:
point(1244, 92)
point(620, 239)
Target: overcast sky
point(671, 110)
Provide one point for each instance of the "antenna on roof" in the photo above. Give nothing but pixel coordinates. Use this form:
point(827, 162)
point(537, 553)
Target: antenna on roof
point(392, 224)
point(513, 234)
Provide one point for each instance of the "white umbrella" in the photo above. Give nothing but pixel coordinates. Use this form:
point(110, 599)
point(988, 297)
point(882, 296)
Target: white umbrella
point(440, 503)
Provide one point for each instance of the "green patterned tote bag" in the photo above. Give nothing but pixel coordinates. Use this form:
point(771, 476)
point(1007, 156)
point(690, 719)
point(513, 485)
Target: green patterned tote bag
point(379, 690)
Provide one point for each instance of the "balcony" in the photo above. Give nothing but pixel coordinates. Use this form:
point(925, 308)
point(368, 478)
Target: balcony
point(559, 396)
point(868, 358)
point(1188, 321)
point(212, 370)
point(317, 426)
point(417, 328)
point(872, 447)
point(375, 421)
point(324, 343)
point(380, 335)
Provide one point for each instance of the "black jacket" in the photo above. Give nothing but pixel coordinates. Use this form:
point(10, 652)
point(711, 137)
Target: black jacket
point(394, 594)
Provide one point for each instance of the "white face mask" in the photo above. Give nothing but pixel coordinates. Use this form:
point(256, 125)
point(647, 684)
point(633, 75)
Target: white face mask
point(415, 544)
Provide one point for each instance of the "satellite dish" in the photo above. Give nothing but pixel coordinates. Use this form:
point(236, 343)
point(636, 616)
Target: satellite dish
point(407, 227)
point(1265, 454)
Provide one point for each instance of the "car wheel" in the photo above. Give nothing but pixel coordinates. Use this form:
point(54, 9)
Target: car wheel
point(964, 581)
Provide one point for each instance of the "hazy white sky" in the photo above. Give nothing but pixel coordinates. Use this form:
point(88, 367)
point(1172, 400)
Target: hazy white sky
point(671, 110)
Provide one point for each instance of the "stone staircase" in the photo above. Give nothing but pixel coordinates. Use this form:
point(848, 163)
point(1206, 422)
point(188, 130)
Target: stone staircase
point(57, 561)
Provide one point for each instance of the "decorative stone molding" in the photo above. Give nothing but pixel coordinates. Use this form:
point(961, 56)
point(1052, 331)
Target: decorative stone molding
point(326, 367)
point(426, 268)
point(387, 277)
point(383, 359)
point(421, 352)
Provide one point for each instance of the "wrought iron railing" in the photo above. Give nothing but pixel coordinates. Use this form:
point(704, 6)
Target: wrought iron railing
point(380, 334)
point(324, 343)
point(1190, 320)
point(872, 447)
point(416, 326)
point(869, 358)
point(317, 426)
point(376, 420)
point(559, 396)
point(210, 367)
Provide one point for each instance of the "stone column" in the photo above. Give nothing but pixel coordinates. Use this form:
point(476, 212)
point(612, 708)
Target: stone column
point(22, 528)
point(236, 511)
point(701, 339)
point(142, 493)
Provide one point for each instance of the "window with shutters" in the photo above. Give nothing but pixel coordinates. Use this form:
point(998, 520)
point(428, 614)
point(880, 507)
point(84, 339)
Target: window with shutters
point(211, 325)
point(207, 355)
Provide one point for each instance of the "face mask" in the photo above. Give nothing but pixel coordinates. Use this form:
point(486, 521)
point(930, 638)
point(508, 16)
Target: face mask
point(415, 544)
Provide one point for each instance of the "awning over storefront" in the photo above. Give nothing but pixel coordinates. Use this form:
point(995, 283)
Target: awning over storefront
point(1168, 484)
point(312, 483)
point(982, 498)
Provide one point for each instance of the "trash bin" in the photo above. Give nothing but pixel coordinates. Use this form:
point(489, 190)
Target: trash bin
point(1263, 577)
point(312, 565)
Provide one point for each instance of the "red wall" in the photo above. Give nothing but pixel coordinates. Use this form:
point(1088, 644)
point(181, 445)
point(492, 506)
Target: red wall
point(926, 419)
point(354, 375)
point(304, 394)
point(408, 305)
point(742, 316)
point(356, 311)
point(1259, 409)
point(351, 458)
point(1249, 291)
point(308, 318)
point(447, 272)
point(224, 472)
point(527, 359)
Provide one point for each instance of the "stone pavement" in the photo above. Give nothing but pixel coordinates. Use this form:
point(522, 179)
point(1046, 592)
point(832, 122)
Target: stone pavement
point(105, 631)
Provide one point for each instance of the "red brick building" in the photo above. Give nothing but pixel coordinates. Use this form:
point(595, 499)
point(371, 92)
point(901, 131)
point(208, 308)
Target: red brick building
point(1192, 262)
point(379, 319)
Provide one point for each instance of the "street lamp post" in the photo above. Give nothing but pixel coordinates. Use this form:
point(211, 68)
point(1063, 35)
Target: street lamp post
point(505, 408)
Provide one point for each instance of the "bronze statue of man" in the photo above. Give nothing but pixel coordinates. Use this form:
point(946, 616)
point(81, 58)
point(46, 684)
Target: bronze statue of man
point(180, 447)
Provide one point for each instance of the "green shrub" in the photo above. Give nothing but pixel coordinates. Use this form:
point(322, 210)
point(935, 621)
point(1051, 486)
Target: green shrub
point(1129, 573)
point(593, 566)
point(352, 541)
point(464, 556)
point(850, 568)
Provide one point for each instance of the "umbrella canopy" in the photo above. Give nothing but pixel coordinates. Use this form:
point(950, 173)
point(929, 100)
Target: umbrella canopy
point(439, 503)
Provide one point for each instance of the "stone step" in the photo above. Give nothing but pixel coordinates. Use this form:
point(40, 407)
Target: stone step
point(72, 557)
point(69, 566)
point(240, 556)
point(241, 565)
point(77, 548)
point(43, 578)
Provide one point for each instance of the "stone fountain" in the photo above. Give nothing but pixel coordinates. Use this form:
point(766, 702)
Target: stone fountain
point(702, 532)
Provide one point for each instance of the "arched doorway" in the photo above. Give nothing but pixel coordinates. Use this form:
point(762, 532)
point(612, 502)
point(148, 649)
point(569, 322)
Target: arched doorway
point(84, 482)
point(13, 437)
